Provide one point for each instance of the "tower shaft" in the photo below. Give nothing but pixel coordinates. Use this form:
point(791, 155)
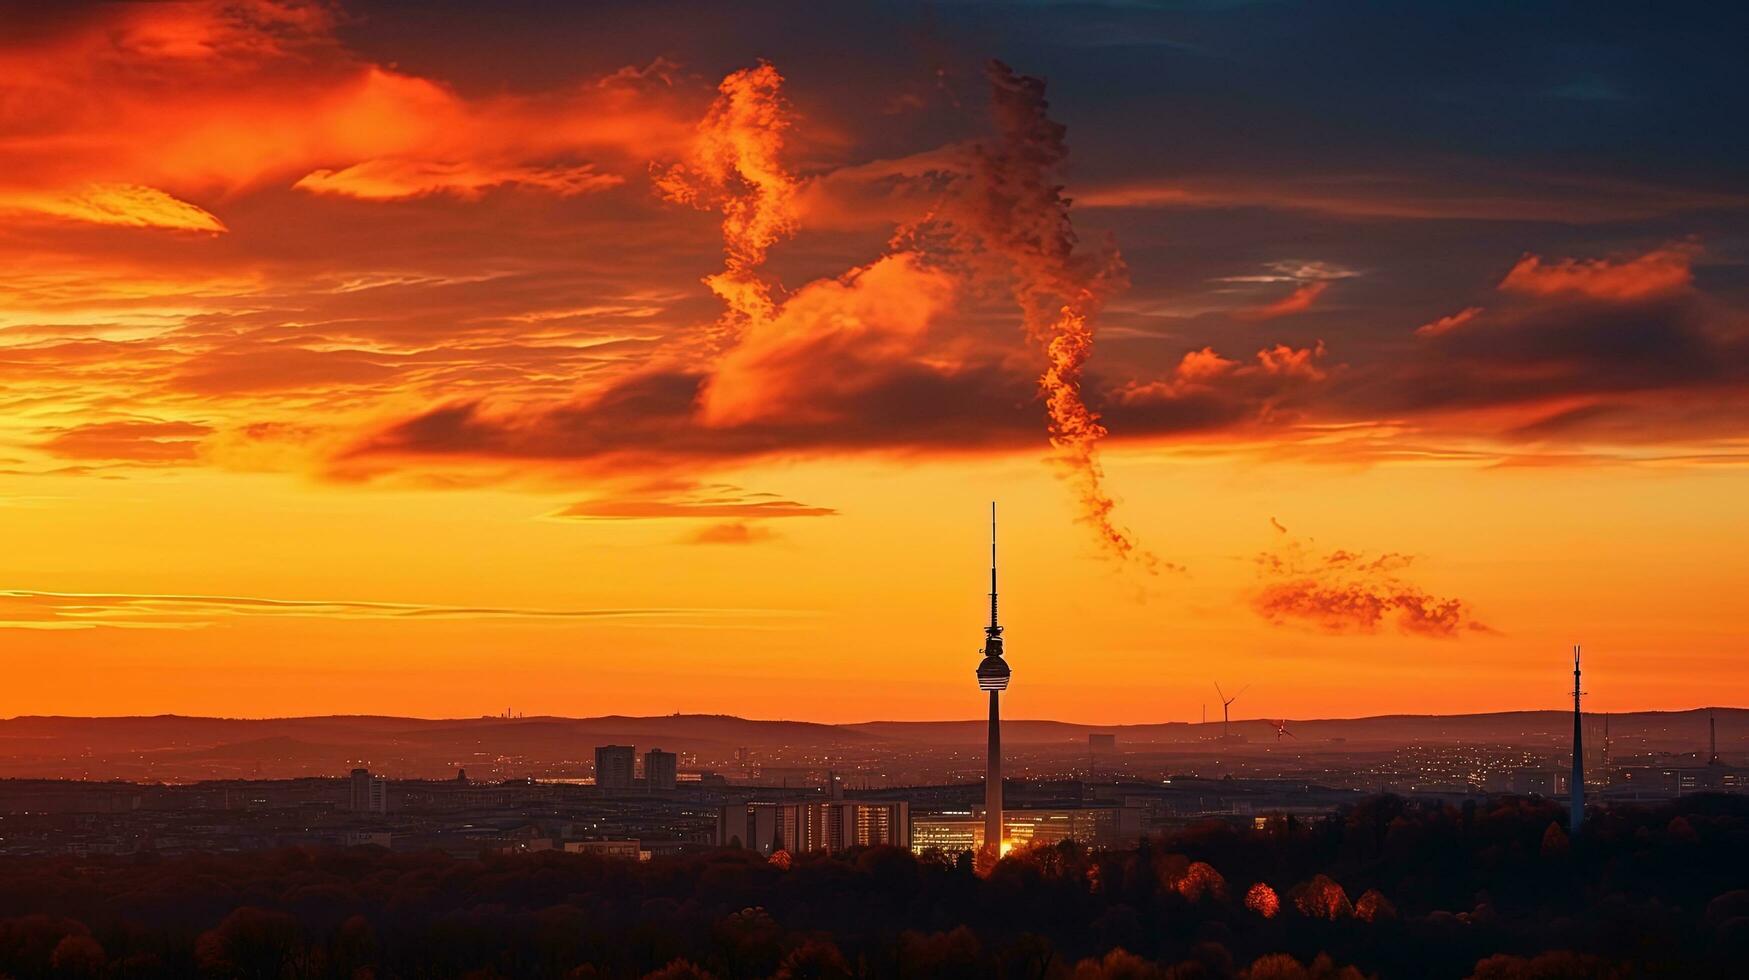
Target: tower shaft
point(1578, 779)
point(993, 778)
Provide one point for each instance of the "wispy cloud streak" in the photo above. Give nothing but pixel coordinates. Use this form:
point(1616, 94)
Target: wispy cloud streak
point(32, 609)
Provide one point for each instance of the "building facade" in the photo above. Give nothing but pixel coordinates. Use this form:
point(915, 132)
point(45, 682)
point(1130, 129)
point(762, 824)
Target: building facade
point(661, 769)
point(949, 833)
point(964, 830)
point(613, 766)
point(815, 825)
point(368, 793)
point(625, 850)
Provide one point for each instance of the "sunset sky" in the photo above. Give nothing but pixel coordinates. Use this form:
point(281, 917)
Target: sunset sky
point(436, 359)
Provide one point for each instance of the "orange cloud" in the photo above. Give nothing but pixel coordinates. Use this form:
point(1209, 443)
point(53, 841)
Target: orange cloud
point(1349, 592)
point(692, 501)
point(31, 609)
point(736, 532)
point(1446, 324)
point(1298, 301)
point(1662, 270)
point(1197, 371)
point(1290, 362)
point(1203, 365)
point(155, 102)
point(832, 342)
point(388, 180)
point(736, 167)
point(1503, 196)
point(140, 441)
point(1207, 392)
point(126, 205)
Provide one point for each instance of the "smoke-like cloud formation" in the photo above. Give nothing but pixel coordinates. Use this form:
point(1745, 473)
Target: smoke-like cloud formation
point(1012, 204)
point(736, 167)
point(1060, 290)
point(1351, 592)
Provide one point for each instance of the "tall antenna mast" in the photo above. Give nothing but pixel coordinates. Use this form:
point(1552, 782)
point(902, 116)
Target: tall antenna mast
point(1578, 779)
point(993, 566)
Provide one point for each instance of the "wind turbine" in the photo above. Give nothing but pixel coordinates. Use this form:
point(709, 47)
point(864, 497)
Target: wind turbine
point(1227, 702)
point(1281, 729)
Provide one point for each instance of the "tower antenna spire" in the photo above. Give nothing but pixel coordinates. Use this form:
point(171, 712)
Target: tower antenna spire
point(993, 624)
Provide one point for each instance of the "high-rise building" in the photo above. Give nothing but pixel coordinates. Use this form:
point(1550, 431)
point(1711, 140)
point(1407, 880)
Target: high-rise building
point(993, 676)
point(368, 794)
point(807, 825)
point(1577, 784)
point(613, 766)
point(1101, 751)
point(661, 769)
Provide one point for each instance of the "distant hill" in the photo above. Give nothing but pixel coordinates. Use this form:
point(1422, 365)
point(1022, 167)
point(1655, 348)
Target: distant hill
point(179, 747)
point(1675, 727)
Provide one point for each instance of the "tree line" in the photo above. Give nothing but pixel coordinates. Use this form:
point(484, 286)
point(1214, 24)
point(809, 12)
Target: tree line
point(1387, 888)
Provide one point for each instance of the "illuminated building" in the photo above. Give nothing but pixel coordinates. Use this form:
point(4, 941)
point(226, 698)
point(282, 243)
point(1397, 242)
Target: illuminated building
point(964, 830)
point(950, 833)
point(1092, 826)
point(815, 825)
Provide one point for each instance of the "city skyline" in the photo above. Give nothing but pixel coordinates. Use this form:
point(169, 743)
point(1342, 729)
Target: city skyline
point(366, 358)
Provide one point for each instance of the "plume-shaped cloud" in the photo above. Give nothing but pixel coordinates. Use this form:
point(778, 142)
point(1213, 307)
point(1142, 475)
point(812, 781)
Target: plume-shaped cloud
point(736, 166)
point(1343, 591)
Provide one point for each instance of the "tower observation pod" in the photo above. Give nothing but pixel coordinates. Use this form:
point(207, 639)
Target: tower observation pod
point(993, 676)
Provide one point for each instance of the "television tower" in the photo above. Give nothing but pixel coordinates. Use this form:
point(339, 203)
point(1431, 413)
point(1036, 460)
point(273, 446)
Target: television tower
point(993, 677)
point(1578, 781)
